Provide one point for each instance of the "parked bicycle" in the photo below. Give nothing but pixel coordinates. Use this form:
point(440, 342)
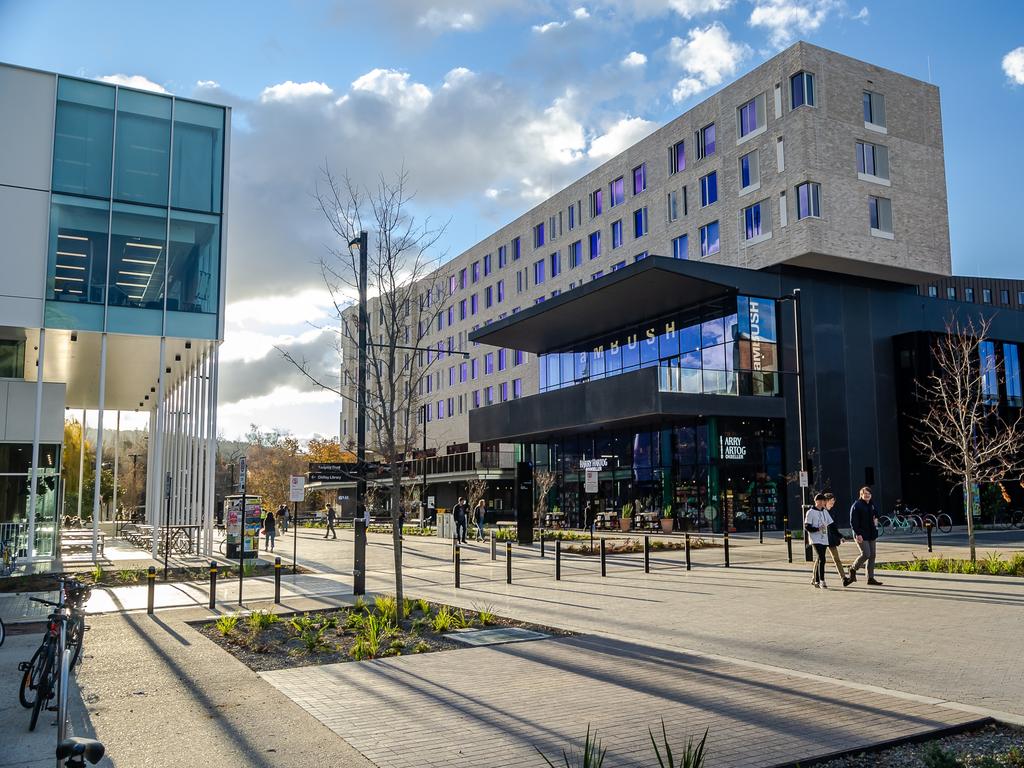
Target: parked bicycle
point(1009, 518)
point(58, 652)
point(898, 522)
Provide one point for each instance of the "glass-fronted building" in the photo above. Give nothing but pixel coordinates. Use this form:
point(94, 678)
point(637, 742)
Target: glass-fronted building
point(112, 201)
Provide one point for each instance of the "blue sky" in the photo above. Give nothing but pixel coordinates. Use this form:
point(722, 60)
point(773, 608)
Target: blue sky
point(494, 105)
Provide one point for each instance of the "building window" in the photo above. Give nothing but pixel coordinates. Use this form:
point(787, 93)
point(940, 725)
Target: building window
point(462, 278)
point(440, 320)
point(708, 189)
point(880, 213)
point(556, 264)
point(618, 265)
point(476, 398)
point(680, 247)
point(574, 215)
point(640, 256)
point(750, 172)
point(488, 297)
point(575, 254)
point(473, 306)
point(489, 396)
point(504, 391)
point(474, 272)
point(801, 90)
point(517, 388)
point(451, 376)
point(757, 223)
point(986, 295)
point(595, 244)
point(489, 363)
point(989, 372)
point(487, 265)
point(874, 110)
point(750, 116)
point(933, 292)
point(474, 368)
point(872, 161)
point(502, 256)
point(538, 272)
point(677, 157)
point(969, 295)
point(1004, 297)
point(463, 372)
point(596, 205)
point(538, 235)
point(640, 222)
point(709, 242)
point(951, 294)
point(598, 274)
point(705, 141)
point(616, 234)
point(639, 178)
point(502, 359)
point(617, 192)
point(501, 291)
point(672, 205)
point(808, 200)
point(516, 249)
point(1011, 368)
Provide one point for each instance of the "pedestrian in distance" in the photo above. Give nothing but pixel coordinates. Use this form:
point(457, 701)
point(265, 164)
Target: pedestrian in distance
point(269, 531)
point(461, 515)
point(816, 522)
point(329, 511)
point(588, 517)
point(282, 514)
point(835, 538)
point(864, 521)
point(478, 517)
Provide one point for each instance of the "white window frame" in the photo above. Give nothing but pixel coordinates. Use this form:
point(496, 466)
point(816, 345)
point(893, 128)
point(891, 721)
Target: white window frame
point(872, 126)
point(882, 233)
point(884, 181)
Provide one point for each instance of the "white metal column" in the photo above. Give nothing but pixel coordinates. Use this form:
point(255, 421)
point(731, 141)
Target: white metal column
point(81, 465)
point(98, 475)
point(195, 477)
point(30, 545)
point(211, 447)
point(117, 446)
point(161, 421)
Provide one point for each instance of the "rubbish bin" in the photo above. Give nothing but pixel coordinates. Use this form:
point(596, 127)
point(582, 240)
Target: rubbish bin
point(445, 524)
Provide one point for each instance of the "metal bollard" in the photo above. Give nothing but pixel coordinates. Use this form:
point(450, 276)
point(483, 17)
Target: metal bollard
point(542, 542)
point(760, 530)
point(647, 554)
point(277, 580)
point(151, 581)
point(789, 538)
point(458, 566)
point(558, 559)
point(686, 541)
point(726, 545)
point(213, 584)
point(494, 547)
point(928, 530)
point(604, 567)
point(455, 546)
point(508, 562)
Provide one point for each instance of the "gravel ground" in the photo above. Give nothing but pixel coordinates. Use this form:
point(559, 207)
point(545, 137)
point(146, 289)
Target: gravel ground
point(990, 747)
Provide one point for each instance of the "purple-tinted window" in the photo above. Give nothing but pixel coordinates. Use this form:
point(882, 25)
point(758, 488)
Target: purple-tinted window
point(488, 296)
point(595, 244)
point(538, 235)
point(706, 141)
point(516, 249)
point(451, 284)
point(639, 178)
point(451, 376)
point(517, 388)
point(501, 291)
point(430, 355)
point(474, 368)
point(440, 409)
point(462, 310)
point(575, 254)
point(538, 272)
point(489, 363)
point(517, 358)
point(808, 200)
point(678, 158)
point(502, 256)
point(617, 190)
point(472, 304)
point(463, 372)
point(598, 274)
point(752, 222)
point(504, 391)
point(616, 234)
point(487, 265)
point(475, 270)
point(440, 320)
point(430, 382)
point(709, 242)
point(451, 316)
point(489, 396)
point(748, 117)
point(556, 263)
point(462, 278)
point(596, 203)
point(501, 359)
point(440, 350)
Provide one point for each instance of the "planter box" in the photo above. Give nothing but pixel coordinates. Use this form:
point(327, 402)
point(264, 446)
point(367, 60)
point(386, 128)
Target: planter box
point(666, 524)
point(625, 523)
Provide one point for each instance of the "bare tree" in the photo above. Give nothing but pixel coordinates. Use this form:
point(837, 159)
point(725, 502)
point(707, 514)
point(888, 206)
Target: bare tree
point(475, 490)
point(543, 482)
point(408, 292)
point(962, 431)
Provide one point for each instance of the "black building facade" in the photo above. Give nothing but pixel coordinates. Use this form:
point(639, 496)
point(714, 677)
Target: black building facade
point(675, 383)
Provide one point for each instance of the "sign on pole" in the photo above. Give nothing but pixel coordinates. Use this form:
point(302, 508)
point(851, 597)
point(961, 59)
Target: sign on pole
point(241, 474)
point(803, 480)
point(590, 482)
point(297, 490)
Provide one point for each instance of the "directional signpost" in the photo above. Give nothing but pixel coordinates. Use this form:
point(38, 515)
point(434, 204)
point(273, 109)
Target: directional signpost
point(297, 492)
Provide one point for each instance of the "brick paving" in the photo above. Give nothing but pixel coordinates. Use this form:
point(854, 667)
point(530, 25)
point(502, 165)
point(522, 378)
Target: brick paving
point(489, 707)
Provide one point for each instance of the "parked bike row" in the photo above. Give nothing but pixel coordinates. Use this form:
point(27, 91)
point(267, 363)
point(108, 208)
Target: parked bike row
point(904, 520)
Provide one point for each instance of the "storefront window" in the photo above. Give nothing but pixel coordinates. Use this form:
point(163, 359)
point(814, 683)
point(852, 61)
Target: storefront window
point(15, 468)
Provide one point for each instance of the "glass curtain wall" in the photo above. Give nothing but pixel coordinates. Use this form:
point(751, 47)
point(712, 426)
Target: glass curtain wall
point(15, 479)
point(135, 215)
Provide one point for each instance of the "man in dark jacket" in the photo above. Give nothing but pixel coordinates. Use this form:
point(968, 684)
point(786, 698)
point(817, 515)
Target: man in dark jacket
point(864, 521)
point(461, 515)
point(331, 517)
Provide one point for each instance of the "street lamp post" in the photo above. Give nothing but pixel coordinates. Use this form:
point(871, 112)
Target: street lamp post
point(798, 370)
point(423, 493)
point(359, 559)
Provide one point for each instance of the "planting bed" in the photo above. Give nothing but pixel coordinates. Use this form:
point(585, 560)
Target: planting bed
point(265, 641)
point(994, 746)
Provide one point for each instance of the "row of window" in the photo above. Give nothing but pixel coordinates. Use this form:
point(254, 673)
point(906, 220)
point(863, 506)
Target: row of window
point(968, 295)
point(456, 406)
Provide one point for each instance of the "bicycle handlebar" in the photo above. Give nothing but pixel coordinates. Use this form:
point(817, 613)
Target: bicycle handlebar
point(45, 602)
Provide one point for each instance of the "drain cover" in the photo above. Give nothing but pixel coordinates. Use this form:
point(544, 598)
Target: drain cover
point(496, 636)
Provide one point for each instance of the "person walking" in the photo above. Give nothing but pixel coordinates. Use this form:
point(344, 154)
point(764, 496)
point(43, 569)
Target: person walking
point(478, 518)
point(864, 521)
point(588, 517)
point(331, 517)
point(816, 522)
point(270, 531)
point(461, 515)
point(835, 538)
point(282, 516)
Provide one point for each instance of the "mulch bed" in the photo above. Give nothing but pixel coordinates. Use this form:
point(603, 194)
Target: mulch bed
point(281, 645)
point(989, 747)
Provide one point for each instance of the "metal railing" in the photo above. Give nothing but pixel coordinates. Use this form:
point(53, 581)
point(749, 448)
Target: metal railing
point(15, 537)
point(470, 461)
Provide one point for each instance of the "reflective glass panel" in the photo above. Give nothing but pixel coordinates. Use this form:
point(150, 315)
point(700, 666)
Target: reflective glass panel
point(194, 267)
point(198, 157)
point(137, 257)
point(83, 138)
point(143, 144)
point(712, 332)
point(713, 357)
point(630, 353)
point(77, 264)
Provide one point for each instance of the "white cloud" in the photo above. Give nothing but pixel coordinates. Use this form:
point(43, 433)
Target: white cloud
point(634, 60)
point(492, 194)
point(623, 134)
point(708, 55)
point(395, 87)
point(862, 15)
point(456, 77)
point(690, 8)
point(440, 19)
point(207, 84)
point(291, 91)
point(581, 13)
point(134, 81)
point(1013, 65)
point(786, 20)
point(309, 412)
point(551, 25)
point(560, 134)
point(642, 9)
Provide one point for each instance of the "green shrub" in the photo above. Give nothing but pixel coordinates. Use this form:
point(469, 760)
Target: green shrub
point(407, 603)
point(936, 757)
point(485, 615)
point(375, 632)
point(991, 563)
point(444, 620)
point(226, 624)
point(354, 621)
point(97, 574)
point(248, 568)
point(693, 756)
point(261, 620)
point(421, 647)
point(360, 605)
point(128, 575)
point(423, 606)
point(592, 755)
point(387, 607)
point(312, 639)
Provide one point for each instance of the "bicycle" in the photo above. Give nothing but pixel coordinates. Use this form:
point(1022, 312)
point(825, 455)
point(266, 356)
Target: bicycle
point(75, 751)
point(1009, 518)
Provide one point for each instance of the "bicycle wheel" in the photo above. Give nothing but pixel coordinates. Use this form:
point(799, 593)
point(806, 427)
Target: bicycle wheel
point(930, 518)
point(884, 526)
point(944, 523)
point(76, 634)
point(43, 691)
point(30, 680)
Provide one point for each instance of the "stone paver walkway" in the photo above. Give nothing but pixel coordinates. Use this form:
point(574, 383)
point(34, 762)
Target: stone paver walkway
point(490, 707)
